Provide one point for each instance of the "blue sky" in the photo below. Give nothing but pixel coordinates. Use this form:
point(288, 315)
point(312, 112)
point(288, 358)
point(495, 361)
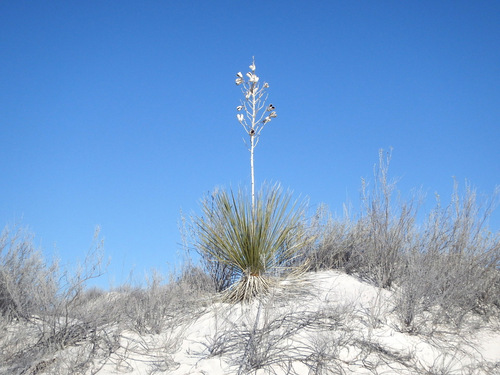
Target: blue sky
point(122, 113)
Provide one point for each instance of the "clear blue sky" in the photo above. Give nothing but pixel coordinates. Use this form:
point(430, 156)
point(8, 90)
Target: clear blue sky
point(122, 113)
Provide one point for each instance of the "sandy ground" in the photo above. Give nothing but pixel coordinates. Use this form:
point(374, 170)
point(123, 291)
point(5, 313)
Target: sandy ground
point(327, 323)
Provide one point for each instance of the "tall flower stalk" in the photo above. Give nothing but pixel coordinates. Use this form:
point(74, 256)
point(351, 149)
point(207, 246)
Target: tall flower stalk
point(253, 113)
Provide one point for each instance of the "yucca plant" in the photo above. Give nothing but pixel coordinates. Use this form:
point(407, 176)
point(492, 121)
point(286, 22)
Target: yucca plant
point(254, 241)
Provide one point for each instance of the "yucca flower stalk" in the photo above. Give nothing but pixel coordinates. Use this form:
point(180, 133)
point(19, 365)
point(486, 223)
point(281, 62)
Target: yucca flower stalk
point(254, 240)
point(254, 114)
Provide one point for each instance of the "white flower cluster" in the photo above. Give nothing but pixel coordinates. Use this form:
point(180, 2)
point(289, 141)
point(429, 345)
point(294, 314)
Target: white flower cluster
point(254, 103)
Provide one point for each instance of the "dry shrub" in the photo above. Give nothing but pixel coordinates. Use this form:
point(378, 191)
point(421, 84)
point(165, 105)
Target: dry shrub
point(442, 271)
point(27, 283)
point(45, 309)
point(371, 246)
point(455, 270)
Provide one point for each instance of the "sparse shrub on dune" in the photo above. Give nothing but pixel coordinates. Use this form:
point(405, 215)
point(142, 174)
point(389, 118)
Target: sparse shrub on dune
point(27, 282)
point(334, 241)
point(442, 270)
point(162, 301)
point(47, 310)
point(454, 270)
point(371, 245)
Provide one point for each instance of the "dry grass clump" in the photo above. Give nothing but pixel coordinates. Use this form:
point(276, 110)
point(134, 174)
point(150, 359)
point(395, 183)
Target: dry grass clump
point(372, 245)
point(149, 309)
point(45, 310)
point(53, 323)
point(454, 269)
point(443, 270)
point(26, 281)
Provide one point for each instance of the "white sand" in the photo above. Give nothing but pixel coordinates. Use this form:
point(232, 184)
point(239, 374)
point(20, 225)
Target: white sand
point(368, 338)
point(349, 321)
